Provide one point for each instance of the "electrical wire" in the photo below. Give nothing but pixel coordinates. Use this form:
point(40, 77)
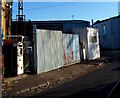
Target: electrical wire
point(46, 7)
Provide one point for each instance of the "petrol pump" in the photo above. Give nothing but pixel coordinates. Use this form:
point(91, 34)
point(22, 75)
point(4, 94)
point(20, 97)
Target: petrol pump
point(19, 58)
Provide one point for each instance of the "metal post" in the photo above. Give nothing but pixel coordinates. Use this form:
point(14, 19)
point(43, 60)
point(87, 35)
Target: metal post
point(20, 10)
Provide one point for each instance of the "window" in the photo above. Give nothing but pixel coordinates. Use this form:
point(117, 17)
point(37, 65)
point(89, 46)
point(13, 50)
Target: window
point(92, 39)
point(103, 27)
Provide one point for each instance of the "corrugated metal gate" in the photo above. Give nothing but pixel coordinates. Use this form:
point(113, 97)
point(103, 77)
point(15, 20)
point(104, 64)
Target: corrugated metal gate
point(71, 48)
point(49, 50)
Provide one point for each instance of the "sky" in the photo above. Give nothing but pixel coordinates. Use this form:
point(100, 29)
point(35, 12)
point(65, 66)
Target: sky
point(68, 10)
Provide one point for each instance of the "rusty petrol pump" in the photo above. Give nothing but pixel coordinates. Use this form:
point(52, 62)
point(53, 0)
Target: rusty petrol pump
point(19, 58)
point(13, 55)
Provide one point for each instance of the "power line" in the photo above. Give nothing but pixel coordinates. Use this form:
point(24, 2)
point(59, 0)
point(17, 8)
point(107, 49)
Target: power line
point(52, 6)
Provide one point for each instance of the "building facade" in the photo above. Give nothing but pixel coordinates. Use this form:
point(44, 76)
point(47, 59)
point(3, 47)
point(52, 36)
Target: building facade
point(109, 32)
point(66, 26)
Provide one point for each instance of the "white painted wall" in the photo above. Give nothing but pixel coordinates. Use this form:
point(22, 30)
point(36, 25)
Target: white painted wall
point(92, 50)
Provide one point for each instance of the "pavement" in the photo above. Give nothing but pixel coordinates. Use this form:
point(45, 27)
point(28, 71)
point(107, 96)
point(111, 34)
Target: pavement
point(29, 85)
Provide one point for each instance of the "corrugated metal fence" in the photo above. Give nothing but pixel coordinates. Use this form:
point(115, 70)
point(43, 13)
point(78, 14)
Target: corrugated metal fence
point(71, 48)
point(49, 50)
point(55, 49)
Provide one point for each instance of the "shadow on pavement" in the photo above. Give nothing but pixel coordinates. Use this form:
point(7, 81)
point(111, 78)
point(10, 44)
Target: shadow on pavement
point(100, 91)
point(116, 69)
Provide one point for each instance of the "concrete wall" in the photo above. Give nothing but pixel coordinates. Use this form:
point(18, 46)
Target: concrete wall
point(111, 38)
point(49, 50)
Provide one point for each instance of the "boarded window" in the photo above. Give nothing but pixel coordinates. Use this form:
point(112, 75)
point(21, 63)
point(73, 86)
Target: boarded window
point(92, 39)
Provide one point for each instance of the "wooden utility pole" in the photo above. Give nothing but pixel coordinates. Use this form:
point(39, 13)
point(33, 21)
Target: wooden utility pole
point(20, 26)
point(0, 53)
point(6, 20)
point(6, 17)
point(3, 19)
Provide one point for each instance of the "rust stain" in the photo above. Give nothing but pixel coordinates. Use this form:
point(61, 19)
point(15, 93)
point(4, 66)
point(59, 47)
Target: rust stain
point(10, 41)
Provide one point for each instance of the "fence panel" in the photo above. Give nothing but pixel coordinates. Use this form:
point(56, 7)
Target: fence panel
point(49, 50)
point(71, 48)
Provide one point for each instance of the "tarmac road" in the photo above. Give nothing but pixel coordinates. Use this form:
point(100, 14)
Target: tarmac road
point(97, 84)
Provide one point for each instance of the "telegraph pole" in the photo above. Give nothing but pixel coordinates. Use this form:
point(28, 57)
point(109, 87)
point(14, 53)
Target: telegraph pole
point(20, 10)
point(6, 20)
point(6, 17)
point(20, 26)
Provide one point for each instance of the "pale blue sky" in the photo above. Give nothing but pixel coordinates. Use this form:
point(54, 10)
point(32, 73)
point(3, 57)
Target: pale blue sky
point(65, 10)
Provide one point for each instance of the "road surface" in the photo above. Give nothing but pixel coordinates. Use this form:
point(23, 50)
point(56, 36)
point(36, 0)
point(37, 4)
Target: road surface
point(97, 84)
